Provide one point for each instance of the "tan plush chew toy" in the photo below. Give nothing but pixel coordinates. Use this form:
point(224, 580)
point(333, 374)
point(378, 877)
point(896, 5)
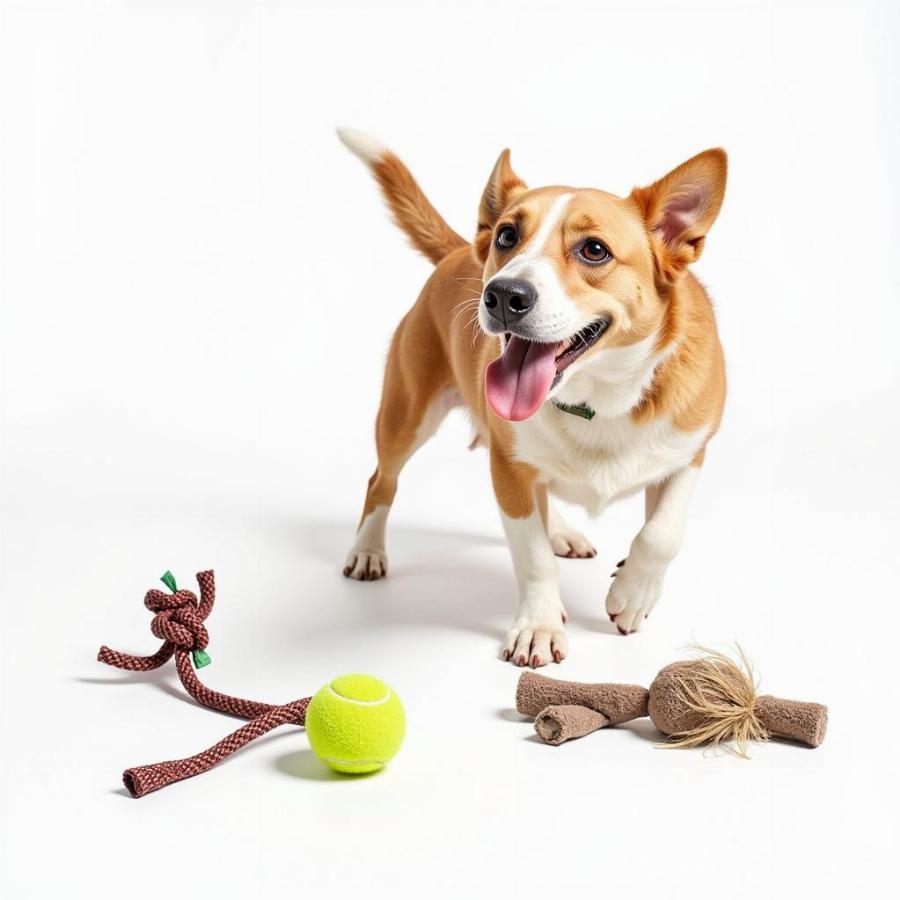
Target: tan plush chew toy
point(706, 700)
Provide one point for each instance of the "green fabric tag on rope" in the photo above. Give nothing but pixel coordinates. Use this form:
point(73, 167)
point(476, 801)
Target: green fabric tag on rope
point(169, 581)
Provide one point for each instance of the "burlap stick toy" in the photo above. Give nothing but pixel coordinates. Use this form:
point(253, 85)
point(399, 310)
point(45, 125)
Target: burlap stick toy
point(179, 623)
point(706, 700)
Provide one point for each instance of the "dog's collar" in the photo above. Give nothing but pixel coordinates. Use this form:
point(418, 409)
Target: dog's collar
point(581, 409)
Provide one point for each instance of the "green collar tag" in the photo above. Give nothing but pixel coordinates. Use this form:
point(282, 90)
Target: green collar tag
point(582, 409)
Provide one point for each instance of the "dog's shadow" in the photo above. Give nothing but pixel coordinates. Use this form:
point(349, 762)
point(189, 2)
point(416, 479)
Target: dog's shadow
point(447, 579)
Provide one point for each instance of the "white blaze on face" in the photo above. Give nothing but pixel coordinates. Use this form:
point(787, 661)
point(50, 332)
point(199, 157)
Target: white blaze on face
point(541, 238)
point(555, 317)
point(517, 383)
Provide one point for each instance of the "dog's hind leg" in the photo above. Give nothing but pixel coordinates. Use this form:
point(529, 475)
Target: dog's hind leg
point(566, 540)
point(415, 398)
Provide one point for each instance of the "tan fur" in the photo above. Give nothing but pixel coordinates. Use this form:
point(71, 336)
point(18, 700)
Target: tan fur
point(690, 386)
point(413, 212)
point(438, 345)
point(503, 185)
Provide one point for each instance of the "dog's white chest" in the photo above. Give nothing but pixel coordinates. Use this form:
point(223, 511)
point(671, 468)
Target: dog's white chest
point(592, 462)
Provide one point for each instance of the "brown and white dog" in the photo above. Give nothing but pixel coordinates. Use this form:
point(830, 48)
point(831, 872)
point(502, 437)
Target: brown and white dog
point(587, 356)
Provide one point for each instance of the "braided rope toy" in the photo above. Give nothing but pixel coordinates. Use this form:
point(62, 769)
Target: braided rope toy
point(178, 622)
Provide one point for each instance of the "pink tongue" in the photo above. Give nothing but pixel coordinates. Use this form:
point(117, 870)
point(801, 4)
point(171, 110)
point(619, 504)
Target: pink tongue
point(516, 384)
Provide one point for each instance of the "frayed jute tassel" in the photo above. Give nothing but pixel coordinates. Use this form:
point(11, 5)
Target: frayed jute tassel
point(721, 694)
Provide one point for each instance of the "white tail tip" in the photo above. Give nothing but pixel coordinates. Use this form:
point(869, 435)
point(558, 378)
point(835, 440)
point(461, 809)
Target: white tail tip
point(362, 145)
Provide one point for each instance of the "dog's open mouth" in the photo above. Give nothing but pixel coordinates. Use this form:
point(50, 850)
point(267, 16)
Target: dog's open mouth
point(517, 383)
point(579, 343)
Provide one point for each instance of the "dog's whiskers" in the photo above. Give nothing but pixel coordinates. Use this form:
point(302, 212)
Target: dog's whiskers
point(464, 307)
point(476, 330)
point(466, 302)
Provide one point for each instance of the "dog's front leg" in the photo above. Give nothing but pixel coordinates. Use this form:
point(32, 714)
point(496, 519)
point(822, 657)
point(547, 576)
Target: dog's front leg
point(537, 635)
point(638, 582)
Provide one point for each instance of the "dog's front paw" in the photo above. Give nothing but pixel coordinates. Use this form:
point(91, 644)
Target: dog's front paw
point(535, 644)
point(635, 589)
point(366, 565)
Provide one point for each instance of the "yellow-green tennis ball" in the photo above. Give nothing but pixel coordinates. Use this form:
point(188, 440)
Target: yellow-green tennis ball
point(355, 724)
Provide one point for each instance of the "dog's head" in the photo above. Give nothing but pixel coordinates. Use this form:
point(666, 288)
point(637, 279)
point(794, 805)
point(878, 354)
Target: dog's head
point(571, 272)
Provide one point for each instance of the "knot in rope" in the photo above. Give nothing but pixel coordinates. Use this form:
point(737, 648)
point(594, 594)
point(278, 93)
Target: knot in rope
point(178, 619)
point(178, 622)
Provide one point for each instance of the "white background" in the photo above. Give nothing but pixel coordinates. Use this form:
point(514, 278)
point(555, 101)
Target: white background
point(199, 285)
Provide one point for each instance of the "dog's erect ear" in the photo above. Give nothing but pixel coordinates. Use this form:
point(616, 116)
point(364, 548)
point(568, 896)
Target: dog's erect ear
point(681, 207)
point(502, 187)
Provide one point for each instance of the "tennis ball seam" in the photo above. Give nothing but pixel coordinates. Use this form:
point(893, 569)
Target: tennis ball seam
point(337, 761)
point(341, 697)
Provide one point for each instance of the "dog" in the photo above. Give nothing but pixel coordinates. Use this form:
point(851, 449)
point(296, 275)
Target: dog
point(587, 355)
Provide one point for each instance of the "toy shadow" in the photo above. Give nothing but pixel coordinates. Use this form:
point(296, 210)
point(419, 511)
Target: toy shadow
point(304, 764)
point(163, 679)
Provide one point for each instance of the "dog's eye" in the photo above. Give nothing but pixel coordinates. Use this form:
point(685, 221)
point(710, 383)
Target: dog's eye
point(507, 237)
point(595, 251)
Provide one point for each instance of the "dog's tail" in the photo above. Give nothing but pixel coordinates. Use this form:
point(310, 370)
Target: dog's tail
point(411, 210)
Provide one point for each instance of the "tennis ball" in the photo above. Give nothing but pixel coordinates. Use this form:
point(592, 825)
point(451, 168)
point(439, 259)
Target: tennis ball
point(355, 724)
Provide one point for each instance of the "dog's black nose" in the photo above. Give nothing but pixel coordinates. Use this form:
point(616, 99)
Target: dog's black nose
point(509, 299)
